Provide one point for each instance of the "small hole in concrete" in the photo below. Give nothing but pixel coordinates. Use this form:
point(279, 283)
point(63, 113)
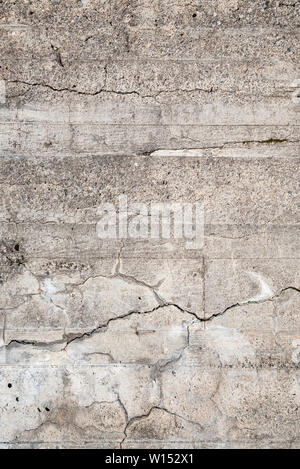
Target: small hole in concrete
point(9, 385)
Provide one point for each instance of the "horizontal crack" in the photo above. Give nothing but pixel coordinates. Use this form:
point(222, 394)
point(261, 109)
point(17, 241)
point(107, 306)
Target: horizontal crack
point(106, 90)
point(223, 146)
point(95, 93)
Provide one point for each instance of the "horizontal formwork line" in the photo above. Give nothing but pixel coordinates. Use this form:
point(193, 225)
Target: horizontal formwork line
point(141, 58)
point(82, 154)
point(256, 29)
point(103, 124)
point(263, 227)
point(81, 444)
point(142, 61)
point(148, 257)
point(124, 330)
point(201, 256)
point(228, 367)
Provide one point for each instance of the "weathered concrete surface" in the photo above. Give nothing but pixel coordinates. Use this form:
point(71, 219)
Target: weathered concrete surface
point(124, 343)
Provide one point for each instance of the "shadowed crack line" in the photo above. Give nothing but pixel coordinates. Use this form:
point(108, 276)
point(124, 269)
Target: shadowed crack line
point(145, 416)
point(106, 90)
point(104, 326)
point(251, 302)
point(69, 338)
point(69, 421)
point(87, 93)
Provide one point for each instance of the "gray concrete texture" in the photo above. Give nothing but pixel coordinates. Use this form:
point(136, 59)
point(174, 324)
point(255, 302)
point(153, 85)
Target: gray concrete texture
point(109, 343)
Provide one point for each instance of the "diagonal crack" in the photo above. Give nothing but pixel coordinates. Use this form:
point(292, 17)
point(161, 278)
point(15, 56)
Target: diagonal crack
point(69, 338)
point(250, 302)
point(144, 416)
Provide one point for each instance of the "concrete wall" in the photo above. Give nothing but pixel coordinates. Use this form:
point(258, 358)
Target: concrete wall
point(146, 343)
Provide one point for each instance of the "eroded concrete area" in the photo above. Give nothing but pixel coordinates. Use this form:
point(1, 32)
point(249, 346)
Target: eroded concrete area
point(127, 343)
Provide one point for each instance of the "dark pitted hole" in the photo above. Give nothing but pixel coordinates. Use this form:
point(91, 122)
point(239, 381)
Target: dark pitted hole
point(17, 247)
point(17, 399)
point(39, 409)
point(194, 15)
point(47, 409)
point(9, 385)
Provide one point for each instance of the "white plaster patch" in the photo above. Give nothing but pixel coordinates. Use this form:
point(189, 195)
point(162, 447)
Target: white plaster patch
point(2, 92)
point(184, 152)
point(49, 290)
point(2, 351)
point(296, 351)
point(229, 344)
point(265, 290)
